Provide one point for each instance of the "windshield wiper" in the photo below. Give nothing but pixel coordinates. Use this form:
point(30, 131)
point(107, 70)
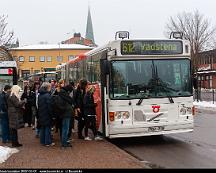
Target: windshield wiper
point(139, 102)
point(141, 99)
point(170, 99)
point(161, 83)
point(165, 88)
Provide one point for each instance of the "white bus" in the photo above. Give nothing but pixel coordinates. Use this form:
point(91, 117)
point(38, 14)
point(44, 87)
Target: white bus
point(8, 69)
point(8, 73)
point(43, 76)
point(143, 86)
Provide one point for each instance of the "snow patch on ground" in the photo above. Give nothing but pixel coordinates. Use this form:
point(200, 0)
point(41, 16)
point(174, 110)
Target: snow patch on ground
point(6, 152)
point(205, 105)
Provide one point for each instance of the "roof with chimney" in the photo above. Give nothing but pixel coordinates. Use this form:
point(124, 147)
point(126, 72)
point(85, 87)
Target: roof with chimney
point(78, 39)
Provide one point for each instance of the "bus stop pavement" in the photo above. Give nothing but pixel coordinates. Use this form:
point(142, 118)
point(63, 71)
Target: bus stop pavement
point(83, 154)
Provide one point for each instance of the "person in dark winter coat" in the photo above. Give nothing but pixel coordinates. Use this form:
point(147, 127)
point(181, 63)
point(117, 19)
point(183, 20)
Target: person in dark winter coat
point(53, 86)
point(65, 115)
point(15, 114)
point(90, 113)
point(4, 114)
point(56, 111)
point(45, 114)
point(28, 111)
point(70, 90)
point(34, 98)
point(79, 94)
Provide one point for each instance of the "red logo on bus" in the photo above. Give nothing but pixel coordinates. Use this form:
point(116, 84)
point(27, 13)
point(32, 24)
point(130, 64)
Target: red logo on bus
point(156, 109)
point(10, 71)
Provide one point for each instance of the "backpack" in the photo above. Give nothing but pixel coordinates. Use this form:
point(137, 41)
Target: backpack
point(58, 105)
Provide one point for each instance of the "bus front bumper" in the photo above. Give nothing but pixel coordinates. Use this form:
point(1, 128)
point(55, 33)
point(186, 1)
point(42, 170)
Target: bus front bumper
point(159, 129)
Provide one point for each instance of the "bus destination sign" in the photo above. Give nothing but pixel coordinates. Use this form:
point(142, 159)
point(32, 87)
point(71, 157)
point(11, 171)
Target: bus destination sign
point(160, 47)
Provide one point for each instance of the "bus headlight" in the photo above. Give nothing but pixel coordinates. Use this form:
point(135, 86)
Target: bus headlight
point(189, 110)
point(122, 115)
point(118, 115)
point(185, 110)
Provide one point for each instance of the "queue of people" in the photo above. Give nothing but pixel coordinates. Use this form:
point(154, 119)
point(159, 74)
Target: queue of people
point(46, 107)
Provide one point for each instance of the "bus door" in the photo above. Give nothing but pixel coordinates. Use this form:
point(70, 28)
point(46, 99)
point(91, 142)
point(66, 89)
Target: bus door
point(100, 115)
point(97, 100)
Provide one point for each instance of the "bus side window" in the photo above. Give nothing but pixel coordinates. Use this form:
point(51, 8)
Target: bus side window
point(96, 69)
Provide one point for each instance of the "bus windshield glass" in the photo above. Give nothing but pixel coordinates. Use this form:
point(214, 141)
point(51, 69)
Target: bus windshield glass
point(50, 76)
point(136, 79)
point(5, 80)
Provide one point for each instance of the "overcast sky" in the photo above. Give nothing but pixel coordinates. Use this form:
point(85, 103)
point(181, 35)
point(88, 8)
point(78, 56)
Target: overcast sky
point(55, 20)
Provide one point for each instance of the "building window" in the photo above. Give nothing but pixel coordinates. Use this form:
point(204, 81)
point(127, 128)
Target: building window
point(21, 59)
point(25, 73)
point(59, 59)
point(42, 58)
point(36, 71)
point(31, 59)
point(49, 59)
point(49, 69)
point(70, 57)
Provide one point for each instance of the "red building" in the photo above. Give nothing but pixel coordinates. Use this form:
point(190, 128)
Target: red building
point(207, 69)
point(78, 39)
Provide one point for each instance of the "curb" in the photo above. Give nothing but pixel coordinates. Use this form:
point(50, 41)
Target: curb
point(130, 156)
point(208, 109)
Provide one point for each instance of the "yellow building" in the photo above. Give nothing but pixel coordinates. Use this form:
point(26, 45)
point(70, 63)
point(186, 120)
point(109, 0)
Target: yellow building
point(45, 57)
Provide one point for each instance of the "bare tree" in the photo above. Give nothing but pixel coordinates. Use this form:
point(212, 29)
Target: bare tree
point(6, 37)
point(196, 28)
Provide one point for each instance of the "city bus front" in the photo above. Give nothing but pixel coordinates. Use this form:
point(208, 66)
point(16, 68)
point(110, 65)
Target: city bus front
point(8, 73)
point(150, 95)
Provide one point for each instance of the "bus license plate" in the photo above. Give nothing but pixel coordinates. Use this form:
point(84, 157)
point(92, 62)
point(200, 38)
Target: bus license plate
point(155, 129)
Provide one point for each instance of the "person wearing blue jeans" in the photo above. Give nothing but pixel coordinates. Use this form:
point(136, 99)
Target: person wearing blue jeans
point(4, 114)
point(65, 116)
point(45, 135)
point(65, 131)
point(45, 114)
point(37, 132)
point(5, 128)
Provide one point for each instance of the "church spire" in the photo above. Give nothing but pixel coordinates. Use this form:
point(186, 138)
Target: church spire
point(89, 27)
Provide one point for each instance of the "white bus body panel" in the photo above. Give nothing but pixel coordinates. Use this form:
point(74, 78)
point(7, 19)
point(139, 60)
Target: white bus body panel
point(170, 119)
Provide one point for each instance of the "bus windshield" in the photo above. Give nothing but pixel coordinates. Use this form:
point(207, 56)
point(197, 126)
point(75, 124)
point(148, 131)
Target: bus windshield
point(45, 77)
point(135, 79)
point(5, 80)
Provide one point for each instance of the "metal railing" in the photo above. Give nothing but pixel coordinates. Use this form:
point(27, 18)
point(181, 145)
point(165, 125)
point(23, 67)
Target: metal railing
point(208, 95)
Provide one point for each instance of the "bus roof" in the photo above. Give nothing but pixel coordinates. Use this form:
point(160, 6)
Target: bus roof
point(116, 45)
